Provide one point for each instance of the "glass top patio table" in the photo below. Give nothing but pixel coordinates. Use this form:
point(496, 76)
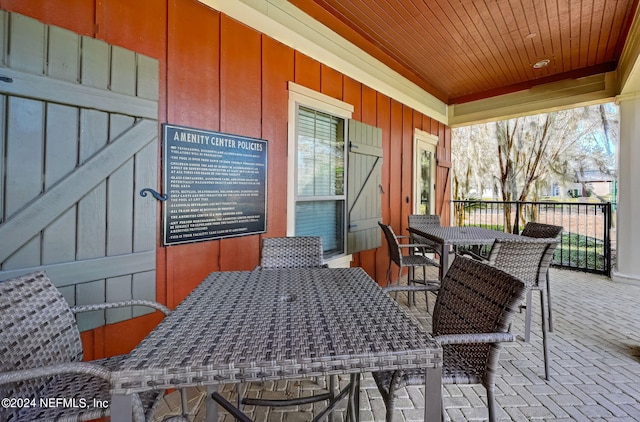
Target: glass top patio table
point(238, 327)
point(458, 236)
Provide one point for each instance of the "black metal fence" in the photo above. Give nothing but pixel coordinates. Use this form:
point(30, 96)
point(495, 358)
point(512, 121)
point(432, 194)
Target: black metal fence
point(586, 239)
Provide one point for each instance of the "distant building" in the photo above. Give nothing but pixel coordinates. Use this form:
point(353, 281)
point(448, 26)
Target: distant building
point(586, 184)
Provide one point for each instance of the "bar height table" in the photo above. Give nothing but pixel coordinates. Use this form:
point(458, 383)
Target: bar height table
point(458, 236)
point(238, 327)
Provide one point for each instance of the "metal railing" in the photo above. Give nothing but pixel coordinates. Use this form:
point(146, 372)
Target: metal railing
point(586, 239)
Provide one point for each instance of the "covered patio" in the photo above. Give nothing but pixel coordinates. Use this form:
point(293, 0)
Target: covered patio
point(77, 168)
point(595, 368)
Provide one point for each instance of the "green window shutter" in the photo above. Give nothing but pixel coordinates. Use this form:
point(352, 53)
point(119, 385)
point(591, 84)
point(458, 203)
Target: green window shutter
point(364, 187)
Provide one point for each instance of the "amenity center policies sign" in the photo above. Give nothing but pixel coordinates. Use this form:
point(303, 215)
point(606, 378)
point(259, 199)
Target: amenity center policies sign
point(215, 183)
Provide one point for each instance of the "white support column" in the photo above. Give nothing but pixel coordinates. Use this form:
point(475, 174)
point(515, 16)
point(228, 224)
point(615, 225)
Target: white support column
point(628, 214)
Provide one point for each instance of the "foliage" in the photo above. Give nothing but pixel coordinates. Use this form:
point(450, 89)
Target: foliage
point(575, 250)
point(519, 159)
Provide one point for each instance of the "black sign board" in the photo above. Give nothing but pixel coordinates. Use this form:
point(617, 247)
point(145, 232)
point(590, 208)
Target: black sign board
point(216, 185)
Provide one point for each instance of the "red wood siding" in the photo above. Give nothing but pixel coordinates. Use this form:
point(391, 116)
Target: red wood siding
point(240, 100)
point(219, 74)
point(75, 15)
point(120, 22)
point(277, 69)
point(367, 259)
point(384, 123)
point(331, 82)
point(191, 46)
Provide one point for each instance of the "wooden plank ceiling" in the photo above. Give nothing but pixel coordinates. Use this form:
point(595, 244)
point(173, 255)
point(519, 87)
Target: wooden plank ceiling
point(465, 50)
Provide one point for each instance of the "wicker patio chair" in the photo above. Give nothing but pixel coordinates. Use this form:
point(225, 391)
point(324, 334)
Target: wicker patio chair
point(471, 317)
point(41, 355)
point(414, 259)
point(539, 230)
point(292, 252)
point(528, 259)
point(425, 220)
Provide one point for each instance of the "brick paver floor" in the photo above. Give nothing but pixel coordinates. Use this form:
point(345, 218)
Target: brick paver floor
point(595, 366)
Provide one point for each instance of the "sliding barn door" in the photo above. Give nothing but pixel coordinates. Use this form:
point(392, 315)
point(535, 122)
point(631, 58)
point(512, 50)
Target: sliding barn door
point(78, 120)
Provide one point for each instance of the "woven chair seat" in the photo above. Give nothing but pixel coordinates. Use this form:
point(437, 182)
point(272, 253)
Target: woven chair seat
point(418, 261)
point(474, 307)
point(413, 259)
point(455, 370)
point(74, 387)
point(41, 356)
point(529, 258)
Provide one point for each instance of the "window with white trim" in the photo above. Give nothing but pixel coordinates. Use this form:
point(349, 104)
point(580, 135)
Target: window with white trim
point(317, 162)
point(335, 166)
point(320, 178)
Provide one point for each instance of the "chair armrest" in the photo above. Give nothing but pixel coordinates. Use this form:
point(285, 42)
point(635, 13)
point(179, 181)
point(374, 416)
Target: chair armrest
point(474, 338)
point(429, 248)
point(87, 368)
point(135, 302)
point(419, 247)
point(473, 255)
point(414, 245)
point(432, 285)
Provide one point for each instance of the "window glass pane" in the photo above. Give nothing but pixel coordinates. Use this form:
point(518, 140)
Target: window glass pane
point(320, 154)
point(425, 182)
point(324, 219)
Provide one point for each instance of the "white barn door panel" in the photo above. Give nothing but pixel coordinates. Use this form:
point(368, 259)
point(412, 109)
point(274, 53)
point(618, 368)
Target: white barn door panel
point(79, 133)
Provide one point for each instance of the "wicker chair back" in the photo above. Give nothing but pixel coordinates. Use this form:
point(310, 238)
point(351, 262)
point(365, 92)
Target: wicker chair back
point(425, 220)
point(38, 329)
point(475, 298)
point(292, 252)
point(393, 244)
point(474, 308)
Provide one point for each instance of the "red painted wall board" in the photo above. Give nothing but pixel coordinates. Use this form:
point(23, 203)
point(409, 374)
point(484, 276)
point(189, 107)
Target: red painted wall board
point(352, 94)
point(407, 168)
point(222, 75)
point(384, 122)
point(192, 99)
point(142, 23)
point(193, 76)
point(75, 15)
point(369, 106)
point(330, 82)
point(240, 113)
point(395, 167)
point(369, 116)
point(187, 266)
point(277, 70)
point(122, 337)
point(307, 71)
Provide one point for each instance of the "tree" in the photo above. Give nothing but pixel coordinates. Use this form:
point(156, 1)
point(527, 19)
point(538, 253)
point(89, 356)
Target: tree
point(530, 151)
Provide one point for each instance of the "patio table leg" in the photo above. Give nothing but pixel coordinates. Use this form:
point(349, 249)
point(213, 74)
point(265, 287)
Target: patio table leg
point(353, 406)
point(121, 408)
point(211, 405)
point(527, 317)
point(549, 302)
point(433, 395)
point(444, 261)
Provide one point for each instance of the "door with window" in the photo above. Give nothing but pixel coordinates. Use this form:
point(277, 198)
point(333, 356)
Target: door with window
point(424, 171)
